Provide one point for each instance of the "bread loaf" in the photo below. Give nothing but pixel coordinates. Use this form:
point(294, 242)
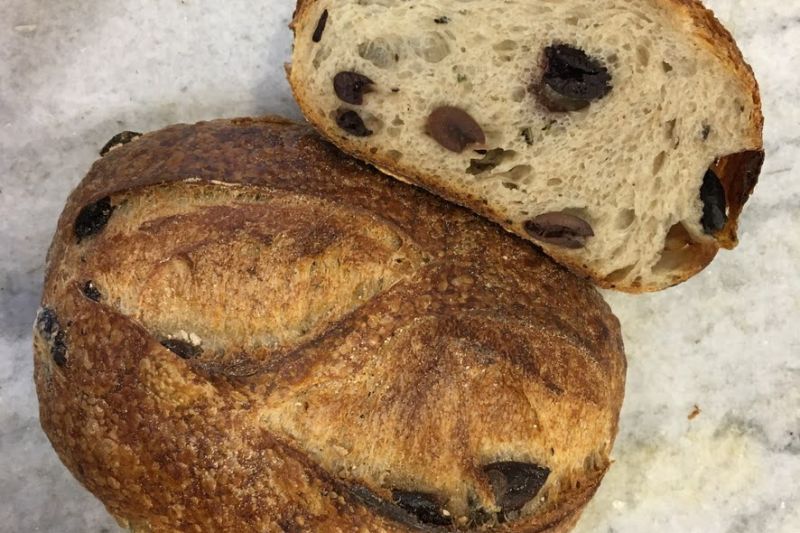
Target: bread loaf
point(621, 136)
point(244, 330)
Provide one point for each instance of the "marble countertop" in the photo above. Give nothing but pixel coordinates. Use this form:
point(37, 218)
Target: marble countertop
point(75, 72)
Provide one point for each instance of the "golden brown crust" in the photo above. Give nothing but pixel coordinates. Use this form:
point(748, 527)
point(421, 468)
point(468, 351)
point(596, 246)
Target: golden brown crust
point(738, 182)
point(353, 334)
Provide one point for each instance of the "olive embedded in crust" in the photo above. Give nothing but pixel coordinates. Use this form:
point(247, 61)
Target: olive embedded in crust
point(93, 218)
point(715, 205)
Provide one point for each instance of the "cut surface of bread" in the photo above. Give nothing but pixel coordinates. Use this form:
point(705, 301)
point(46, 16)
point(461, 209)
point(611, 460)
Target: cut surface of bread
point(621, 136)
point(243, 329)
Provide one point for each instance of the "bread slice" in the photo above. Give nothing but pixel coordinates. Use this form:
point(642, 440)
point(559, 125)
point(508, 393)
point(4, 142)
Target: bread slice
point(621, 136)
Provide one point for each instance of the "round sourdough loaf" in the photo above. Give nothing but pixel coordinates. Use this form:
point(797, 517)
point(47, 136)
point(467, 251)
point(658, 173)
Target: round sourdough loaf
point(242, 329)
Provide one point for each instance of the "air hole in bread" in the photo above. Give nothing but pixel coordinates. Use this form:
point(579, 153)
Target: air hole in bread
point(666, 66)
point(619, 275)
point(517, 173)
point(678, 250)
point(625, 218)
point(643, 55)
point(321, 55)
point(394, 155)
point(505, 45)
point(670, 128)
point(658, 162)
point(382, 52)
point(432, 47)
point(373, 122)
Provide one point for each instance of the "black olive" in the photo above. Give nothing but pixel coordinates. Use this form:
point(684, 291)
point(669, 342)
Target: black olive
point(47, 323)
point(572, 79)
point(183, 349)
point(423, 506)
point(351, 87)
point(118, 140)
point(715, 206)
point(352, 123)
point(59, 349)
point(515, 483)
point(93, 218)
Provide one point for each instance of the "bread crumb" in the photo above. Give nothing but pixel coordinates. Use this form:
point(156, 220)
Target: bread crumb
point(695, 412)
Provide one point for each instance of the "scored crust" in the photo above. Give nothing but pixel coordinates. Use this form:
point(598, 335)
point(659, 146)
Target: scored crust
point(355, 336)
point(738, 173)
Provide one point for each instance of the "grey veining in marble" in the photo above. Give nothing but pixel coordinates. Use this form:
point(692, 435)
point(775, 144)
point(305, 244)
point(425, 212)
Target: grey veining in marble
point(75, 72)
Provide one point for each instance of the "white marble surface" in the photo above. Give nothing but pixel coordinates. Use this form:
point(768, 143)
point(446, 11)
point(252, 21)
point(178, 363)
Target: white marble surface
point(75, 72)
